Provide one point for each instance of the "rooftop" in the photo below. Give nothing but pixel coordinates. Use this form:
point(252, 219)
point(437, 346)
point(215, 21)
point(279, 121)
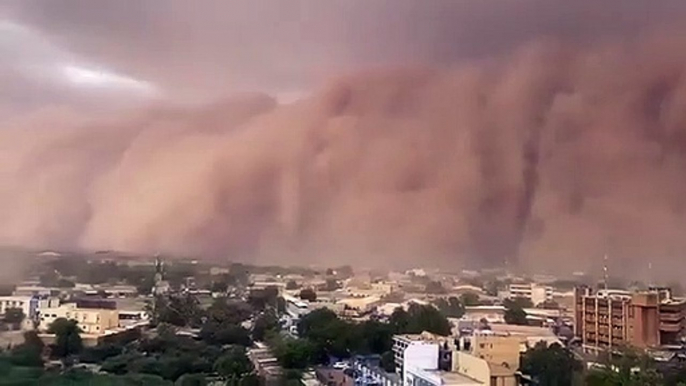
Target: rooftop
point(453, 378)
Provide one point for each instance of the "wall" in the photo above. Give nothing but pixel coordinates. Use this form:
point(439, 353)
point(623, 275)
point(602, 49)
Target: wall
point(420, 356)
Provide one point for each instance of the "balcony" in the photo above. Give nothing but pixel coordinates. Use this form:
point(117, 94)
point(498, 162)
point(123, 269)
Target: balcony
point(671, 317)
point(671, 327)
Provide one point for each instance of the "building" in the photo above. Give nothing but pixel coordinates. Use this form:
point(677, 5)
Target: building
point(453, 363)
point(492, 314)
point(483, 371)
point(402, 342)
point(358, 307)
point(503, 350)
point(27, 304)
point(266, 365)
point(419, 377)
point(94, 321)
point(610, 318)
point(535, 292)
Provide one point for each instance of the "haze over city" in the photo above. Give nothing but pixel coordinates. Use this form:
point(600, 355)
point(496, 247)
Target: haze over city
point(541, 134)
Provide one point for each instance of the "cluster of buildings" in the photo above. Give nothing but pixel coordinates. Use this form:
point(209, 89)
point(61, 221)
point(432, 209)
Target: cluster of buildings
point(488, 356)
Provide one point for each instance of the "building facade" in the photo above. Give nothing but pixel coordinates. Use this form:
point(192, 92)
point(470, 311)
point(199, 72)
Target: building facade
point(535, 292)
point(402, 342)
point(610, 319)
point(430, 360)
point(94, 321)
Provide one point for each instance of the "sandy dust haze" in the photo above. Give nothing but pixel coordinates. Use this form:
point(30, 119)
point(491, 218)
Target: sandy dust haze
point(545, 151)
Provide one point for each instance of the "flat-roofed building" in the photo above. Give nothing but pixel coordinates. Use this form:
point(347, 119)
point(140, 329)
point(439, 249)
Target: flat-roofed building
point(492, 314)
point(356, 307)
point(94, 321)
point(403, 341)
point(535, 292)
point(611, 319)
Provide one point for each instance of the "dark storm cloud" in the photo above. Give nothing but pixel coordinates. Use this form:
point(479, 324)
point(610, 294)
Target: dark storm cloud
point(287, 45)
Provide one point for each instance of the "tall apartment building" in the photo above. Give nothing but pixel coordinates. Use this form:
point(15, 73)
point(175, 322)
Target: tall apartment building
point(609, 319)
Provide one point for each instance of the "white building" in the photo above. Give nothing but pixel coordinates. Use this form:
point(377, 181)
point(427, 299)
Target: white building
point(443, 364)
point(27, 305)
point(535, 292)
point(426, 341)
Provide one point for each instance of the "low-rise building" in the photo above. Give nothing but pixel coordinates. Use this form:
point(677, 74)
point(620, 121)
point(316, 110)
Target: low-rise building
point(357, 307)
point(95, 321)
point(426, 342)
point(535, 292)
point(441, 361)
point(27, 304)
point(492, 314)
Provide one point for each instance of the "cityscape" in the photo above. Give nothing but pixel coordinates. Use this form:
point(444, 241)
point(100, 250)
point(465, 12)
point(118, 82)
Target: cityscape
point(111, 318)
point(342, 193)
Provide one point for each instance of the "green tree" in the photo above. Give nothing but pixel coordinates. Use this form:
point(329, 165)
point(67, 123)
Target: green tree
point(549, 305)
point(469, 299)
point(223, 310)
point(419, 318)
point(308, 294)
point(514, 313)
point(292, 285)
point(451, 307)
point(265, 322)
point(373, 337)
point(327, 334)
point(551, 365)
point(99, 353)
point(67, 338)
point(331, 285)
point(627, 368)
point(14, 316)
point(434, 287)
point(178, 310)
point(29, 353)
point(388, 361)
point(518, 301)
point(219, 286)
point(225, 333)
point(263, 298)
point(234, 365)
point(191, 380)
point(295, 353)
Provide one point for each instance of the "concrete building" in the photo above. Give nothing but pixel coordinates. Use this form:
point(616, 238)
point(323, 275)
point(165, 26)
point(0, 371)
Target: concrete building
point(27, 304)
point(357, 307)
point(502, 350)
point(492, 314)
point(402, 342)
point(446, 363)
point(94, 321)
point(535, 292)
point(610, 319)
point(484, 372)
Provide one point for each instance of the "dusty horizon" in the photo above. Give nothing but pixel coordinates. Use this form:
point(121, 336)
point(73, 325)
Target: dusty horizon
point(544, 150)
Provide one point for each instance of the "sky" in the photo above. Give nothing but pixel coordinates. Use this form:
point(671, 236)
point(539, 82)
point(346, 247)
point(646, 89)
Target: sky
point(539, 133)
point(288, 47)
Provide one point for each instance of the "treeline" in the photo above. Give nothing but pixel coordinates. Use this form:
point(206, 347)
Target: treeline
point(217, 352)
point(323, 336)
